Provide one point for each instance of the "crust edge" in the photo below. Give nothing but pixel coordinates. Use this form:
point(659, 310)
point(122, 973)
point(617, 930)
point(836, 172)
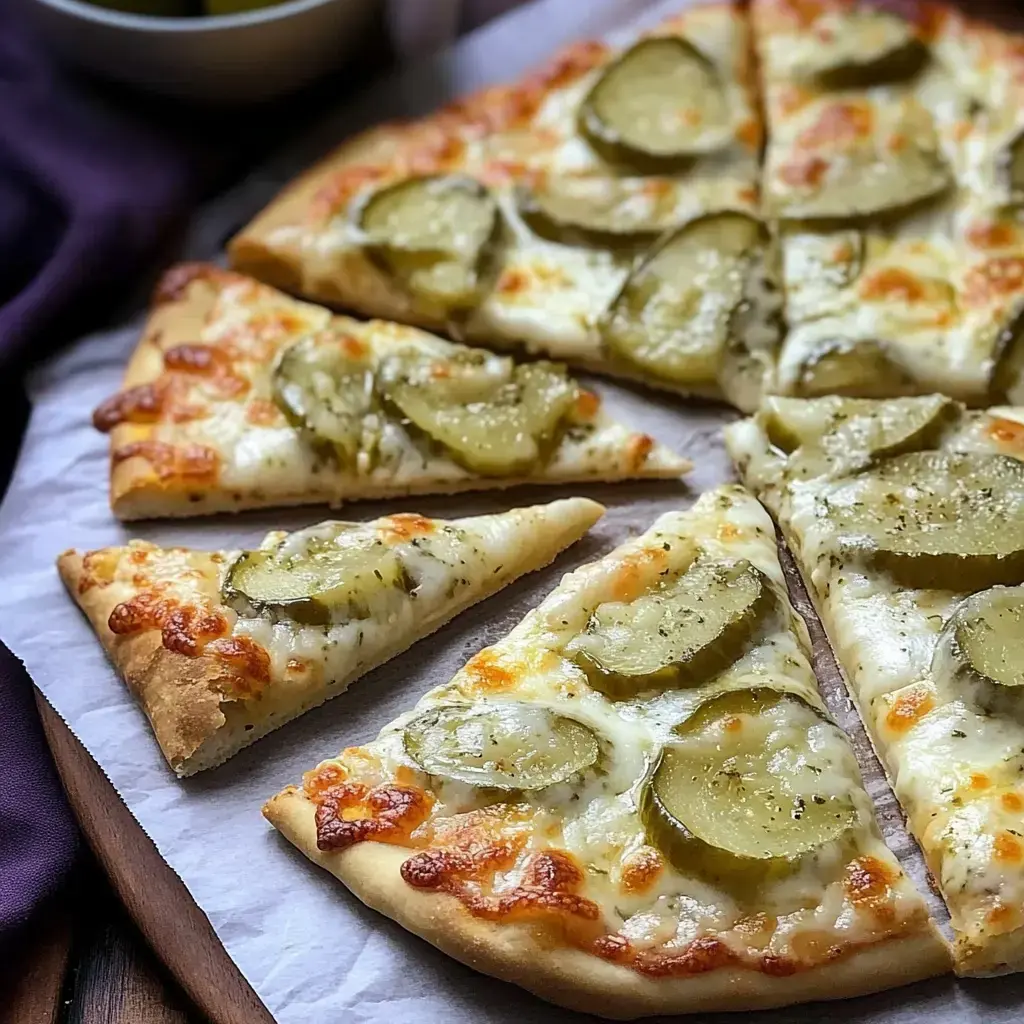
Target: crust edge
point(577, 980)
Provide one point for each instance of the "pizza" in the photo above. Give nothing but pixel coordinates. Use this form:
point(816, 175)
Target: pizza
point(904, 516)
point(636, 802)
point(895, 171)
point(241, 397)
point(591, 214)
point(221, 647)
point(584, 213)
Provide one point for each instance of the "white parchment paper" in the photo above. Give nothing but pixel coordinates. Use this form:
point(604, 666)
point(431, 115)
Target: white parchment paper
point(312, 952)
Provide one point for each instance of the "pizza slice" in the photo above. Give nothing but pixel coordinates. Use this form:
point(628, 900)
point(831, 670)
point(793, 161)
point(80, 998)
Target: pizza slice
point(905, 517)
point(636, 802)
point(601, 211)
point(240, 397)
point(221, 647)
point(891, 168)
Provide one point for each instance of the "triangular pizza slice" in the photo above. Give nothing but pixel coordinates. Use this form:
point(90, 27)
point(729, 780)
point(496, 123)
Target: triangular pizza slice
point(241, 397)
point(895, 169)
point(221, 647)
point(637, 801)
point(601, 211)
point(906, 518)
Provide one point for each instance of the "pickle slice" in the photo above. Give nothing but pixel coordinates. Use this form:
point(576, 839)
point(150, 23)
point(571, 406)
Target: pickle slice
point(984, 639)
point(674, 315)
point(678, 635)
point(849, 432)
point(1010, 168)
point(857, 369)
point(326, 390)
point(940, 520)
point(501, 746)
point(491, 416)
point(741, 795)
point(659, 105)
point(610, 213)
point(328, 581)
point(434, 234)
point(868, 47)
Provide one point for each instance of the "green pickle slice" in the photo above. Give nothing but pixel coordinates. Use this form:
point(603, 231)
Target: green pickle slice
point(677, 635)
point(676, 313)
point(984, 639)
point(490, 415)
point(856, 369)
point(870, 47)
point(434, 235)
point(501, 746)
point(323, 389)
point(327, 581)
point(939, 520)
point(658, 106)
point(740, 795)
point(846, 433)
point(610, 213)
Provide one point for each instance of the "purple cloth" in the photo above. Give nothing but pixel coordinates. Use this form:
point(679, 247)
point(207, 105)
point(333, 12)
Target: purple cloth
point(87, 197)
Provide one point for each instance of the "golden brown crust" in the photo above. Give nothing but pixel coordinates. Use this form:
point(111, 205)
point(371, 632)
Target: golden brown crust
point(577, 980)
point(182, 695)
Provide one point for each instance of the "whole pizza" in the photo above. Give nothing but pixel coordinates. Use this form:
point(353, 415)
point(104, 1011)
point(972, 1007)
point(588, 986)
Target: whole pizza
point(637, 801)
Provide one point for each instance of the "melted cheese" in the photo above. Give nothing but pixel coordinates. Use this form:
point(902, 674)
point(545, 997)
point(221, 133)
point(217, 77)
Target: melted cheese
point(655, 906)
point(951, 757)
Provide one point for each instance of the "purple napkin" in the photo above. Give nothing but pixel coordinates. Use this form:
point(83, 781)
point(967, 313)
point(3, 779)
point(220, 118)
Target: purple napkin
point(87, 197)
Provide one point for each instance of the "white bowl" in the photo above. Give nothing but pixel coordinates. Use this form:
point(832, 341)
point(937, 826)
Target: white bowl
point(250, 56)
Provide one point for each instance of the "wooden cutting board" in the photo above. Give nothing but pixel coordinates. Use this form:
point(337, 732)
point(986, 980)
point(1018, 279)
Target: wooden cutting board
point(176, 929)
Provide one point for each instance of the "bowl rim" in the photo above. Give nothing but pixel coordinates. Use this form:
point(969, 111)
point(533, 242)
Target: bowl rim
point(203, 23)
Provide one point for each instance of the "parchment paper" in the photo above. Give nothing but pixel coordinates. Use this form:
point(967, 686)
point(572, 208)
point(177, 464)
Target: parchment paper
point(312, 952)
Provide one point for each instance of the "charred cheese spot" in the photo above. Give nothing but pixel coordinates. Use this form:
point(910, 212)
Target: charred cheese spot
point(141, 404)
point(208, 362)
point(839, 126)
point(246, 656)
point(352, 813)
point(807, 172)
point(908, 708)
point(791, 98)
point(263, 413)
point(979, 781)
point(640, 870)
point(405, 526)
point(1012, 802)
point(488, 672)
point(707, 953)
point(185, 628)
point(513, 281)
point(728, 531)
point(993, 280)
point(1008, 434)
point(322, 778)
point(749, 133)
point(892, 284)
point(192, 463)
point(989, 234)
point(868, 886)
point(1008, 849)
point(636, 572)
point(638, 448)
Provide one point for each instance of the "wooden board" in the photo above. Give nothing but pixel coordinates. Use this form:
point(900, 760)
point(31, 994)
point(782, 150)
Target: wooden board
point(176, 929)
